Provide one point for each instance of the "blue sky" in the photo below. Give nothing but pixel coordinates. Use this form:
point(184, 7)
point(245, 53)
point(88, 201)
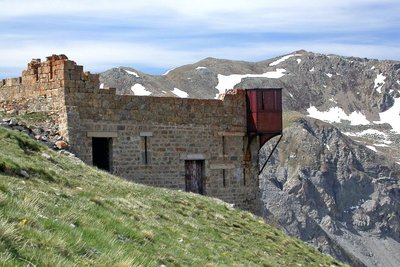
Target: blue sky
point(153, 35)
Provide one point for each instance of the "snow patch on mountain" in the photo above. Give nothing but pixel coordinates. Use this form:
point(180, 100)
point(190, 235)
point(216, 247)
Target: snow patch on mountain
point(312, 69)
point(372, 132)
point(131, 73)
point(391, 116)
point(101, 86)
point(329, 75)
point(282, 59)
point(378, 135)
point(168, 71)
point(200, 68)
point(180, 93)
point(298, 60)
point(372, 148)
point(381, 145)
point(337, 114)
point(226, 82)
point(379, 82)
point(139, 89)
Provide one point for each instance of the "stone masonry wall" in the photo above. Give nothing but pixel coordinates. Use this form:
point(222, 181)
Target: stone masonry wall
point(178, 130)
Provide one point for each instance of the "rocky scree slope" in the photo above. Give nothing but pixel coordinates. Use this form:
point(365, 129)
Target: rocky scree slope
point(353, 217)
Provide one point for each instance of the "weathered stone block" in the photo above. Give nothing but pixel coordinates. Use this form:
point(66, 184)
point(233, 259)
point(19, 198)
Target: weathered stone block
point(69, 65)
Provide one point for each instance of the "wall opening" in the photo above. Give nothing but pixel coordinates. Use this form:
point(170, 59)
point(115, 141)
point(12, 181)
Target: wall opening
point(194, 176)
point(102, 152)
point(51, 71)
point(146, 154)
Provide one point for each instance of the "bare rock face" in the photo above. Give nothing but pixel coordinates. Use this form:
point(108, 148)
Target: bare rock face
point(334, 193)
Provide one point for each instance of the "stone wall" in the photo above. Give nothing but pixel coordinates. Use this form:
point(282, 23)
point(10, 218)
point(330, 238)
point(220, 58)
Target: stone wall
point(166, 131)
point(41, 88)
point(176, 130)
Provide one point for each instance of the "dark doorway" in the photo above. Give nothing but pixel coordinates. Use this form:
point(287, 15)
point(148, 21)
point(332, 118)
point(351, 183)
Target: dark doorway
point(194, 180)
point(101, 149)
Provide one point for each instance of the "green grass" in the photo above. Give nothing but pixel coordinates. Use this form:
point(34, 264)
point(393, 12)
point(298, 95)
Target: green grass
point(69, 214)
point(29, 118)
point(290, 117)
point(33, 117)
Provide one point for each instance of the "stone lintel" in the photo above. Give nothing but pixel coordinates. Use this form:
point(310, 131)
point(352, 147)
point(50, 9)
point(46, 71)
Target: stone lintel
point(146, 134)
point(221, 166)
point(231, 133)
point(192, 157)
point(102, 134)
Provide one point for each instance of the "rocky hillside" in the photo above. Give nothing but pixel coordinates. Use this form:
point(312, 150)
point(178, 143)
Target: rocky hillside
point(334, 185)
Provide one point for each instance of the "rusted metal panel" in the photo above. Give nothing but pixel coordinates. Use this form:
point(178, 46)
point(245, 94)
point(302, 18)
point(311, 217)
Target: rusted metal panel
point(251, 100)
point(264, 107)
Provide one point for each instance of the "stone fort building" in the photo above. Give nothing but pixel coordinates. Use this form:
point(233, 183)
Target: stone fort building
point(203, 146)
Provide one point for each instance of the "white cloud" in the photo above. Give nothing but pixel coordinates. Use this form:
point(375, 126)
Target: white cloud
point(255, 15)
point(165, 34)
point(97, 55)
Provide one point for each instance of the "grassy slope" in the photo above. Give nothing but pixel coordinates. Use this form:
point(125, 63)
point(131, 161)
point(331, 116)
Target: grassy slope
point(69, 214)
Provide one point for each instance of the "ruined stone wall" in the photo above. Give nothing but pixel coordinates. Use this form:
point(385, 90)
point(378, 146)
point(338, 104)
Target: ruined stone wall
point(41, 88)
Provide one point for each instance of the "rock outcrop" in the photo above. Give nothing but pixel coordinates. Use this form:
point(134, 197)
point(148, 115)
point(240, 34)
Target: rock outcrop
point(335, 193)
